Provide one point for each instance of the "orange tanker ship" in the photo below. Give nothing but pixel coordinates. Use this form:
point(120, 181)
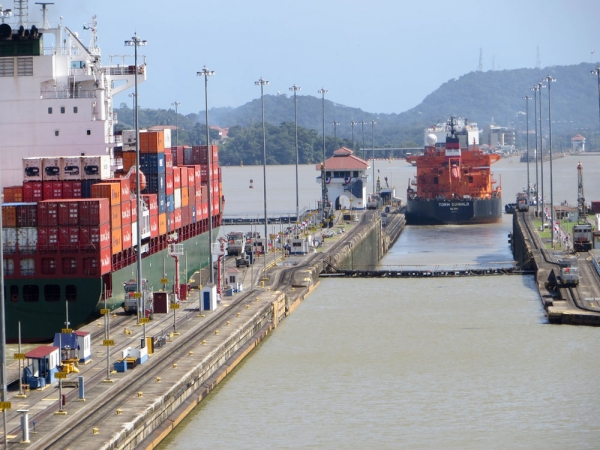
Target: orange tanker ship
point(453, 185)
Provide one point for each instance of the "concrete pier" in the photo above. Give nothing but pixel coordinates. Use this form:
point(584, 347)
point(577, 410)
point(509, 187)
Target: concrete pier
point(137, 408)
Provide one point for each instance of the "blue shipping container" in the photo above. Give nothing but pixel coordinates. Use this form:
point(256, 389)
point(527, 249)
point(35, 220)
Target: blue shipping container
point(162, 202)
point(170, 203)
point(155, 183)
point(152, 163)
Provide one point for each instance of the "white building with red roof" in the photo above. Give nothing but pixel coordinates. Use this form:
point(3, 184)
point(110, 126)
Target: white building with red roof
point(346, 176)
point(578, 143)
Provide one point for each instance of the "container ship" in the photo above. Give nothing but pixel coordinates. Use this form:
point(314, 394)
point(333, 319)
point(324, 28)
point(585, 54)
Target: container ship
point(69, 223)
point(453, 184)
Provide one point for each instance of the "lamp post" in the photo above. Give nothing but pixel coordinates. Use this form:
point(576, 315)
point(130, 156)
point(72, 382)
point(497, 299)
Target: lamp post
point(549, 80)
point(207, 73)
point(335, 123)
point(535, 90)
point(296, 89)
point(362, 124)
point(132, 97)
point(373, 150)
point(527, 98)
point(323, 91)
point(540, 86)
point(596, 71)
point(261, 82)
point(354, 123)
point(136, 42)
point(176, 104)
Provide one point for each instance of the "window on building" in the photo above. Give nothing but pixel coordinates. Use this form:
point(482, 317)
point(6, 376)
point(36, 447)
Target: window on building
point(52, 292)
point(71, 292)
point(75, 109)
point(31, 293)
point(7, 67)
point(89, 132)
point(25, 67)
point(50, 110)
point(56, 132)
point(62, 109)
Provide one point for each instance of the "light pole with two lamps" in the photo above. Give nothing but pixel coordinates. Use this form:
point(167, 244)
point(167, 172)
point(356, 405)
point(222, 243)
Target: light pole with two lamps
point(549, 80)
point(136, 42)
point(527, 98)
point(323, 91)
point(373, 150)
point(262, 82)
point(296, 89)
point(207, 73)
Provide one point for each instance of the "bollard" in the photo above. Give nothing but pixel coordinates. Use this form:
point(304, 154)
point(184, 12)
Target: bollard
point(81, 389)
point(25, 425)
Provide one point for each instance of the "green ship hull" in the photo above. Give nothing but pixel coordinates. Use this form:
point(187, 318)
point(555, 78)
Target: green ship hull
point(42, 318)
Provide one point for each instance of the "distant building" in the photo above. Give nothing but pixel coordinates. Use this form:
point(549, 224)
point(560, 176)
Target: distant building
point(578, 143)
point(346, 177)
point(496, 136)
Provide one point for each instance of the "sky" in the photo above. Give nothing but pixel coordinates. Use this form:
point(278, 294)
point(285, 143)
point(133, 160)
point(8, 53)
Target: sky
point(383, 56)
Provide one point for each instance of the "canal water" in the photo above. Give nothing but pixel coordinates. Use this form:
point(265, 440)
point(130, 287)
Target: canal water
point(412, 363)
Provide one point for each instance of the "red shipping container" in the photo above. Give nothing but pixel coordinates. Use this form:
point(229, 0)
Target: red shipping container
point(68, 238)
point(68, 213)
point(47, 239)
point(133, 211)
point(168, 160)
point(171, 221)
point(111, 191)
point(177, 153)
point(170, 183)
point(184, 176)
point(94, 238)
point(192, 195)
point(178, 218)
point(52, 190)
point(152, 202)
point(193, 174)
point(116, 243)
point(185, 216)
point(126, 236)
point(105, 260)
point(94, 211)
point(126, 212)
point(72, 189)
point(47, 213)
point(26, 215)
point(176, 178)
point(154, 226)
point(32, 191)
point(124, 183)
point(13, 194)
point(115, 216)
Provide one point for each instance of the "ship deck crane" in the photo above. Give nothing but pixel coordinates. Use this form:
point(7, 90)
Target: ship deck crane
point(582, 232)
point(581, 206)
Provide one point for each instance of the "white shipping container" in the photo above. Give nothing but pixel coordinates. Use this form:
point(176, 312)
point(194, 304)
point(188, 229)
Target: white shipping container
point(32, 169)
point(27, 266)
point(51, 168)
point(9, 240)
point(95, 167)
point(71, 168)
point(27, 238)
point(167, 137)
point(129, 138)
point(177, 197)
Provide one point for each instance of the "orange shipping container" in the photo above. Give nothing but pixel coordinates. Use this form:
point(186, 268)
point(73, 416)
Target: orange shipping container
point(13, 194)
point(184, 176)
point(116, 242)
point(162, 224)
point(115, 216)
point(124, 184)
point(9, 216)
point(185, 198)
point(111, 191)
point(152, 142)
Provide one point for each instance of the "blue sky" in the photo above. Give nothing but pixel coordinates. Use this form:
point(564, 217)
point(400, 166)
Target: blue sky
point(383, 56)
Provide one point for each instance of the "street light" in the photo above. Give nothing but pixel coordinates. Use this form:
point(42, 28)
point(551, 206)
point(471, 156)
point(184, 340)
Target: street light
point(373, 150)
point(596, 71)
point(296, 89)
point(323, 91)
point(535, 90)
point(527, 98)
point(363, 123)
point(176, 104)
point(540, 87)
point(335, 123)
point(207, 73)
point(549, 80)
point(136, 42)
point(261, 82)
point(132, 97)
point(353, 123)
